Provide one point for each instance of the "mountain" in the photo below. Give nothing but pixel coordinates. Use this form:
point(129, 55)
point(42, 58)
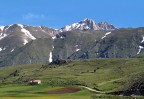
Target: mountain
point(14, 36)
point(119, 43)
point(22, 44)
point(35, 52)
point(88, 24)
point(79, 44)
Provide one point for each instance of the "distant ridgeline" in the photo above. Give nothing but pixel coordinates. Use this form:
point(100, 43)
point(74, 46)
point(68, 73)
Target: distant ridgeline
point(22, 44)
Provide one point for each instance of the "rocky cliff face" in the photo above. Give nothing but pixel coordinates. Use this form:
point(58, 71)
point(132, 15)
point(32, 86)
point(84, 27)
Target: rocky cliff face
point(106, 26)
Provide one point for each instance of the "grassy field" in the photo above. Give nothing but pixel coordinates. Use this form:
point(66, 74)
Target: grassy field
point(39, 91)
point(106, 75)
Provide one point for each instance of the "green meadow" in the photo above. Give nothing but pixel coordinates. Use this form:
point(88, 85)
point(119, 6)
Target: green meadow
point(105, 75)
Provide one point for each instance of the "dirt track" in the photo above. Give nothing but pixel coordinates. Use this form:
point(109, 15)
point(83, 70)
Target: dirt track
point(64, 90)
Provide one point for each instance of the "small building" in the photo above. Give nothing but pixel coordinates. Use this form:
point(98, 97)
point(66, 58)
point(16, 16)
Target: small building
point(35, 82)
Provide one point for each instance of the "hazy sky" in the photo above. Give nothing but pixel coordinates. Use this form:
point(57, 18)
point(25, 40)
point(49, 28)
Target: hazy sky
point(58, 13)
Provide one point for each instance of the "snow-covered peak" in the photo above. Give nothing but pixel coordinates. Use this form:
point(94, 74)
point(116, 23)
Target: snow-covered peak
point(88, 24)
point(20, 25)
point(87, 19)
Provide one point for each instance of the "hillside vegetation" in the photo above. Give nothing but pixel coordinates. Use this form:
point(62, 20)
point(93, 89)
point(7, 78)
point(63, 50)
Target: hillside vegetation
point(106, 75)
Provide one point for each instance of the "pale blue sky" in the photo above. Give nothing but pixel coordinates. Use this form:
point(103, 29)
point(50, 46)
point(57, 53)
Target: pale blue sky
point(58, 13)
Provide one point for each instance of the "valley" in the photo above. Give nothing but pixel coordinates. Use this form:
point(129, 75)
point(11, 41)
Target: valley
point(105, 75)
point(83, 60)
point(72, 49)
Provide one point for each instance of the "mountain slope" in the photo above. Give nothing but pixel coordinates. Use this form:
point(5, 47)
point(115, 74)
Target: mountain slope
point(78, 44)
point(22, 44)
point(45, 50)
point(35, 52)
point(15, 36)
point(121, 43)
point(68, 43)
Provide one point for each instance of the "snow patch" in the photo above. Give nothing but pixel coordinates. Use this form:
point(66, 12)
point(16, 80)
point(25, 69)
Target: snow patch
point(60, 30)
point(62, 37)
point(106, 35)
point(75, 24)
point(52, 46)
point(30, 61)
point(25, 42)
point(77, 50)
point(86, 19)
point(142, 40)
point(4, 48)
point(50, 57)
point(2, 28)
point(76, 45)
point(27, 33)
point(68, 28)
point(54, 37)
point(2, 36)
point(12, 50)
point(78, 26)
point(140, 48)
point(8, 27)
point(1, 49)
point(56, 29)
point(41, 29)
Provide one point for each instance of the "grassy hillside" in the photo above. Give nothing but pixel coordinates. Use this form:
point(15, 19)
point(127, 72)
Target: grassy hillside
point(106, 75)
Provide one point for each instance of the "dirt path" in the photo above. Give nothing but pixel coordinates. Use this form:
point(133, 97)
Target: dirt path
point(90, 89)
point(71, 90)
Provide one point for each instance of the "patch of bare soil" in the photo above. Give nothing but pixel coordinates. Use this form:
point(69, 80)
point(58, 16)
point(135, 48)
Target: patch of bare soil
point(64, 90)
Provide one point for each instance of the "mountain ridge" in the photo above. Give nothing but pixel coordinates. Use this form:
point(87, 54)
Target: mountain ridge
point(88, 24)
point(85, 24)
point(22, 44)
